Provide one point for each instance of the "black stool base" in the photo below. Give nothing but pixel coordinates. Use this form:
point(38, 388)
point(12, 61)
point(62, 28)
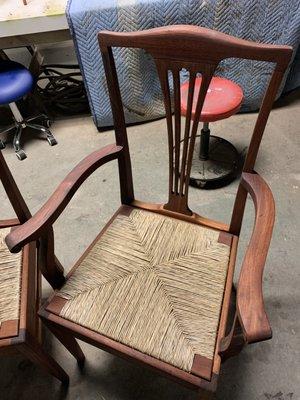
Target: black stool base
point(219, 169)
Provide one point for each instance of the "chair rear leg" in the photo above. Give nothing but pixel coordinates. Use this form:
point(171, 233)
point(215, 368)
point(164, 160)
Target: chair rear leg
point(67, 340)
point(35, 353)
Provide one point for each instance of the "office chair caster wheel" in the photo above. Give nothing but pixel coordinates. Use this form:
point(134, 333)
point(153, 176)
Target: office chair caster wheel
point(21, 155)
point(52, 141)
point(2, 145)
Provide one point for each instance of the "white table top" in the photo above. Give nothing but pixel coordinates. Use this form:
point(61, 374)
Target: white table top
point(36, 17)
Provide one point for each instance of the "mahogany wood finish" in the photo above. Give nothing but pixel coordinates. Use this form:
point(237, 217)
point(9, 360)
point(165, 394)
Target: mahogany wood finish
point(33, 350)
point(40, 223)
point(17, 201)
point(7, 223)
point(190, 380)
point(199, 51)
point(9, 328)
point(13, 192)
point(47, 263)
point(202, 367)
point(67, 340)
point(194, 218)
point(233, 343)
point(250, 304)
point(239, 206)
point(23, 334)
point(226, 304)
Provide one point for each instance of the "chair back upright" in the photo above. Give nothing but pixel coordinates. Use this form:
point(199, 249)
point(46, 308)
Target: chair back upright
point(13, 193)
point(47, 262)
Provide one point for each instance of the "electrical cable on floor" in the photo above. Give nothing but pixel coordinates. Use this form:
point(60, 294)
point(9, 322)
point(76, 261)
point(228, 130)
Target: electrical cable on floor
point(64, 93)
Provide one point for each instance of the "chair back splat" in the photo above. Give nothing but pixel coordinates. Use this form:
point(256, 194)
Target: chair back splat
point(199, 51)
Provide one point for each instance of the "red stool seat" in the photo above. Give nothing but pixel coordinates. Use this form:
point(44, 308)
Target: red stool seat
point(223, 99)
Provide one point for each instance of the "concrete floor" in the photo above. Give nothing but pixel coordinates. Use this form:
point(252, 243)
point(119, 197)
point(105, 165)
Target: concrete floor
point(268, 370)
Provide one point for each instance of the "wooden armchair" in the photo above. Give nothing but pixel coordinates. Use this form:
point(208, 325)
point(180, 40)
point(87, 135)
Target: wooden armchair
point(155, 285)
point(20, 280)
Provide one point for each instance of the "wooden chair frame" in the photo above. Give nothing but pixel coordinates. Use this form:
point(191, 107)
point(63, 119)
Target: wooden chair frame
point(197, 50)
point(24, 334)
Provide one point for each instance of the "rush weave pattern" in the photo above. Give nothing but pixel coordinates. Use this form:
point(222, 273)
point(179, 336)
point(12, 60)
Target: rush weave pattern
point(10, 280)
point(153, 283)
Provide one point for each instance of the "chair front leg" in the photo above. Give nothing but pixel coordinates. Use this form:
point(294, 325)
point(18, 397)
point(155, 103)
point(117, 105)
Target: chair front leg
point(233, 343)
point(32, 349)
point(67, 340)
point(48, 264)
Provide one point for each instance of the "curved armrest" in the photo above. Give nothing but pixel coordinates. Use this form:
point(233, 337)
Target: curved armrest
point(250, 304)
point(34, 228)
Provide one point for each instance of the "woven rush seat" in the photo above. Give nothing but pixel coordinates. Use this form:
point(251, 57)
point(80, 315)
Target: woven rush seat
point(153, 283)
point(10, 287)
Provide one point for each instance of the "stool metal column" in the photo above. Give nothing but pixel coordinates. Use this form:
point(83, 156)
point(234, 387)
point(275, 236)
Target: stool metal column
point(204, 142)
point(215, 160)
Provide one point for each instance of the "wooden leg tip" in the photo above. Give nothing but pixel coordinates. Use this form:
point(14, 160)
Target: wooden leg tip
point(81, 362)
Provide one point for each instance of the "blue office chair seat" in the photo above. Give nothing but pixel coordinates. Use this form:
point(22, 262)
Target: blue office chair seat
point(15, 82)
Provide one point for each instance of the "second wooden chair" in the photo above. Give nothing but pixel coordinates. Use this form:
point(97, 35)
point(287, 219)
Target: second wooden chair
point(20, 283)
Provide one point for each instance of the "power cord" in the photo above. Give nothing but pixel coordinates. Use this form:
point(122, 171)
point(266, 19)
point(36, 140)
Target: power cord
point(64, 93)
